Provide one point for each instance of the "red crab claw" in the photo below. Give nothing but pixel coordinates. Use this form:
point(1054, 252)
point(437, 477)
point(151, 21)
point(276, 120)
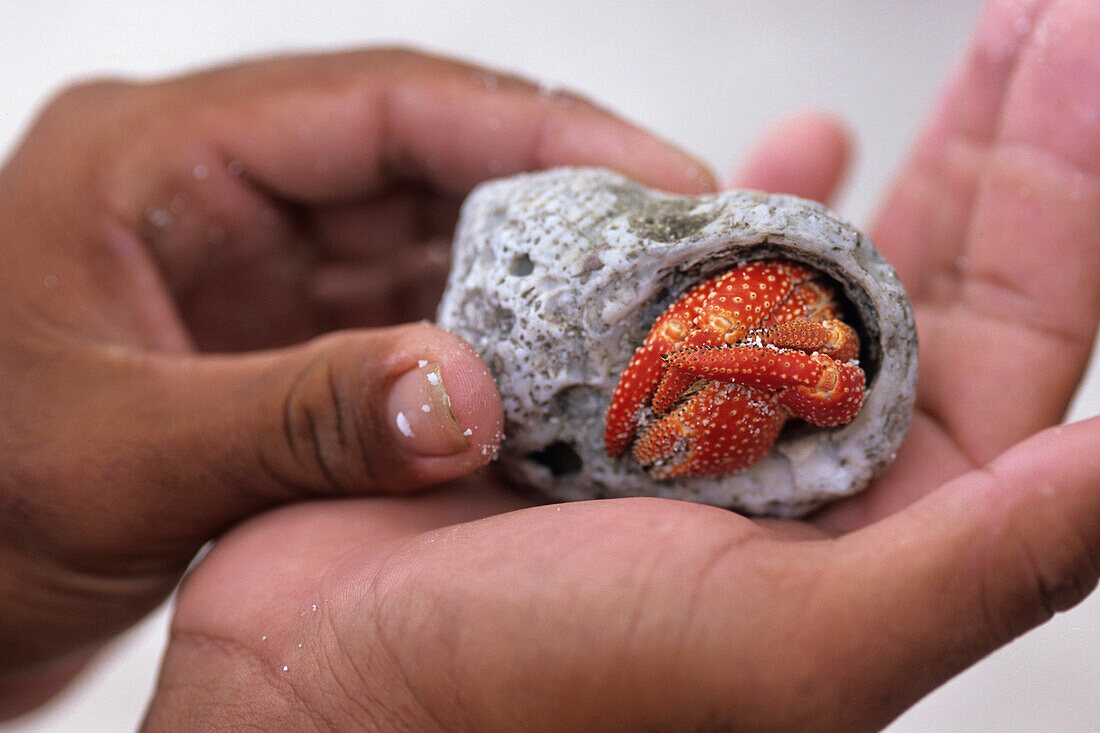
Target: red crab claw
point(640, 378)
point(815, 387)
point(723, 428)
point(715, 312)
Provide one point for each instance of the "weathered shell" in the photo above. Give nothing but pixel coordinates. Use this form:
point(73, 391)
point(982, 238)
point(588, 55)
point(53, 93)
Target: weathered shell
point(557, 278)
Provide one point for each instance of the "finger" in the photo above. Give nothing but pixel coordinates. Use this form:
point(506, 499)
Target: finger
point(240, 183)
point(994, 227)
point(332, 127)
point(806, 155)
point(205, 441)
point(994, 553)
point(925, 217)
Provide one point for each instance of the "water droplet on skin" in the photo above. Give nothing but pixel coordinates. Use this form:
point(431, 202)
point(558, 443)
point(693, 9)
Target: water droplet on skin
point(487, 80)
point(160, 218)
point(286, 668)
point(422, 363)
point(405, 428)
point(200, 171)
point(548, 91)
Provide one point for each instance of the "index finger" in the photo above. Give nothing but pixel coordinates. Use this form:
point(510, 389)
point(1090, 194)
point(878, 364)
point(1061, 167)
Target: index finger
point(332, 127)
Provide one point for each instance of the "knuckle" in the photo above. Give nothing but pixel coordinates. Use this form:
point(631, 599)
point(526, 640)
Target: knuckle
point(1055, 569)
point(76, 102)
point(324, 433)
point(1058, 579)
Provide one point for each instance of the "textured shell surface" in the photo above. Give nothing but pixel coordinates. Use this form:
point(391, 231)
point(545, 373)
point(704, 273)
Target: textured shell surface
point(557, 277)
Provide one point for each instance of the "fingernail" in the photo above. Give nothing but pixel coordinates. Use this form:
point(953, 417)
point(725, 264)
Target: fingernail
point(420, 413)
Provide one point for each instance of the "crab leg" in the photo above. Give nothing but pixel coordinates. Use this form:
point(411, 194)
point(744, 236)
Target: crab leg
point(831, 337)
point(815, 387)
point(640, 378)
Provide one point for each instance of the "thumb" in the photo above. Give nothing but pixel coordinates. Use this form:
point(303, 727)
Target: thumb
point(204, 441)
point(989, 556)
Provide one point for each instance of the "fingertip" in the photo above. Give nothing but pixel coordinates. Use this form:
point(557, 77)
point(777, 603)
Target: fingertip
point(474, 398)
point(444, 410)
point(805, 154)
point(580, 132)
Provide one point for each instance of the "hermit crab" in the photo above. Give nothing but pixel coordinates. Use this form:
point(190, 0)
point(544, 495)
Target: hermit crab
point(728, 363)
point(608, 314)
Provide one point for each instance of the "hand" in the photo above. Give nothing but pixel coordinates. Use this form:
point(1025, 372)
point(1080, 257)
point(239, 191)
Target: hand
point(450, 611)
point(244, 209)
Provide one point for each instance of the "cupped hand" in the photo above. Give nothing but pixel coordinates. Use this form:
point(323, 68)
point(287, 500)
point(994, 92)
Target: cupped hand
point(151, 230)
point(467, 610)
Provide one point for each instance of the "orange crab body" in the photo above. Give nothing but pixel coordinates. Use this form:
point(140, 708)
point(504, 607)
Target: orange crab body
point(726, 365)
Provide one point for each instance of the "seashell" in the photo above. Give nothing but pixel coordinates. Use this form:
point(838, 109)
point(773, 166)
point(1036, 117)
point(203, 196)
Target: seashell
point(557, 277)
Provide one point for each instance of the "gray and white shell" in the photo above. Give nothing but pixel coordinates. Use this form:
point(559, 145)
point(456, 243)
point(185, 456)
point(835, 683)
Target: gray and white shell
point(557, 278)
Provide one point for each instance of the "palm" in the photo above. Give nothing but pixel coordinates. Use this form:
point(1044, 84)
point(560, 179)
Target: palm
point(518, 588)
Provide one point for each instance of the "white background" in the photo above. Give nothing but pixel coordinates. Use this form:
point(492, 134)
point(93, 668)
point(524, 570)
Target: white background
point(708, 75)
